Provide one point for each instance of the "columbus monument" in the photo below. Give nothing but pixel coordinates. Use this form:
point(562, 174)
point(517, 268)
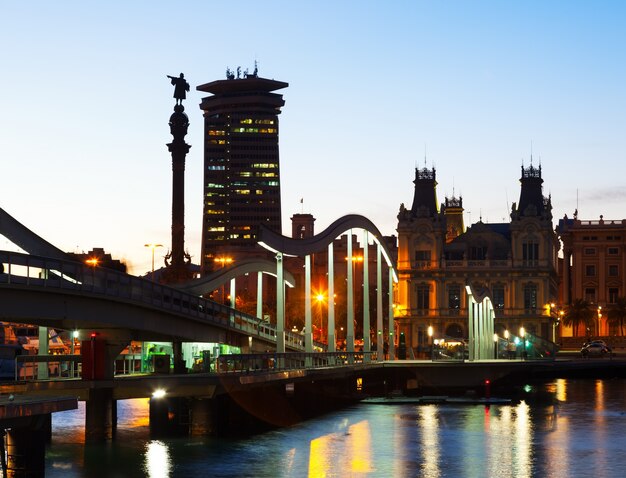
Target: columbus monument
point(177, 261)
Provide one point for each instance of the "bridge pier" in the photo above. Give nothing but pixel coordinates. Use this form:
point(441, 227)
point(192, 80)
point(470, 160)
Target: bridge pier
point(169, 416)
point(100, 415)
point(26, 450)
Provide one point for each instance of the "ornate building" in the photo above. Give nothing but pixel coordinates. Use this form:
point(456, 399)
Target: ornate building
point(515, 262)
point(594, 262)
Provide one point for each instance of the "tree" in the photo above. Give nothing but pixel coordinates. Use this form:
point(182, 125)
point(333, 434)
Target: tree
point(617, 314)
point(579, 312)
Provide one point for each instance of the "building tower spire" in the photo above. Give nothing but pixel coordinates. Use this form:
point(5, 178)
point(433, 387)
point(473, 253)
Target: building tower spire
point(425, 197)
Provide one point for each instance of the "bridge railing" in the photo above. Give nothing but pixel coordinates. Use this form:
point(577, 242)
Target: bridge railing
point(247, 363)
point(28, 367)
point(36, 271)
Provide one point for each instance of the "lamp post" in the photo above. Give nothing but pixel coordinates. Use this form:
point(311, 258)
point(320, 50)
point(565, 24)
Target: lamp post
point(522, 334)
point(599, 319)
point(495, 343)
point(430, 340)
point(152, 247)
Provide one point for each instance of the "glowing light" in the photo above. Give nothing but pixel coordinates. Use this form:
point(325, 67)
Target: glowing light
point(92, 262)
point(157, 460)
point(159, 393)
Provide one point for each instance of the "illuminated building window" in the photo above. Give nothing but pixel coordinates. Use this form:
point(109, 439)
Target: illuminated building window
point(214, 185)
point(216, 168)
point(214, 211)
point(259, 191)
point(246, 121)
point(215, 132)
point(216, 229)
point(245, 174)
point(242, 191)
point(265, 165)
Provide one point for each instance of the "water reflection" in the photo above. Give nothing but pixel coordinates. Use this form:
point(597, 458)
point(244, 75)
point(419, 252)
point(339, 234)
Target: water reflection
point(429, 426)
point(157, 460)
point(582, 431)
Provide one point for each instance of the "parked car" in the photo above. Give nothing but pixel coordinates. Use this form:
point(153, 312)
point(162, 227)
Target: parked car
point(595, 348)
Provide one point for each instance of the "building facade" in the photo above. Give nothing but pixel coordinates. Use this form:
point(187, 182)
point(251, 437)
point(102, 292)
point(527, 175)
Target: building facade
point(241, 165)
point(594, 265)
point(515, 263)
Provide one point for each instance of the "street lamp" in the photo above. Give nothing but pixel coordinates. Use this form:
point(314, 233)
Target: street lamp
point(430, 340)
point(152, 247)
point(522, 334)
point(495, 340)
point(599, 319)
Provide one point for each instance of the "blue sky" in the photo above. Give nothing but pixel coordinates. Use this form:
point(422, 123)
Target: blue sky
point(373, 88)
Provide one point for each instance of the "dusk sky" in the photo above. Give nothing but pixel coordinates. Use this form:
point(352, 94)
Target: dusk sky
point(375, 89)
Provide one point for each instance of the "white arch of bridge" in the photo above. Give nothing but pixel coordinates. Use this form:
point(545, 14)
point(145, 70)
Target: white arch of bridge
point(286, 246)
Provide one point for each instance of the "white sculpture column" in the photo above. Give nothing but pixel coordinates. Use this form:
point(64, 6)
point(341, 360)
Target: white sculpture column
point(392, 337)
point(259, 295)
point(380, 339)
point(308, 325)
point(367, 339)
point(349, 300)
point(332, 339)
point(280, 305)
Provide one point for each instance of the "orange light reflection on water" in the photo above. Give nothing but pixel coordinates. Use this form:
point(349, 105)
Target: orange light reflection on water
point(353, 445)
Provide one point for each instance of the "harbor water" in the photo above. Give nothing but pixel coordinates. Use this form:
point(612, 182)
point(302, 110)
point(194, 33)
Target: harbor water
point(565, 428)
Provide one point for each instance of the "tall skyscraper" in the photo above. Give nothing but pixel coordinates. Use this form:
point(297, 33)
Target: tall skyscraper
point(241, 165)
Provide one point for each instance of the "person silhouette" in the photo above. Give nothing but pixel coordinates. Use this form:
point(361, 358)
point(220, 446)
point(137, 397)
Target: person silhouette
point(180, 88)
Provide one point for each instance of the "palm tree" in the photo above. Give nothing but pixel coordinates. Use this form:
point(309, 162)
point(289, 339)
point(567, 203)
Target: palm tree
point(617, 314)
point(579, 312)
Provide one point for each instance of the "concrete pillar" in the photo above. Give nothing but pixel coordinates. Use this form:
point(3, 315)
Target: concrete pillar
point(100, 415)
point(169, 416)
point(44, 340)
point(179, 361)
point(26, 450)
